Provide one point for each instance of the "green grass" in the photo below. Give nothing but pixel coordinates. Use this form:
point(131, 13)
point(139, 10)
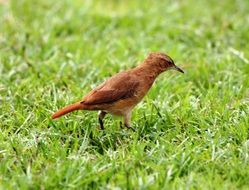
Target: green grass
point(192, 129)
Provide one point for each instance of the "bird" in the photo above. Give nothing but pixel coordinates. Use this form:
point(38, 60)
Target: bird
point(119, 94)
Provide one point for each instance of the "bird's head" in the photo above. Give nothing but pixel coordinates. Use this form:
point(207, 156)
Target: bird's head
point(161, 62)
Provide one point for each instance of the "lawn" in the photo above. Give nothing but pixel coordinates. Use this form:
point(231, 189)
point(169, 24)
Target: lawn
point(192, 129)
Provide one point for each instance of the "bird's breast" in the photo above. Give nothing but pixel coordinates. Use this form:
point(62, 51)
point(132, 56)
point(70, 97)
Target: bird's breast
point(122, 107)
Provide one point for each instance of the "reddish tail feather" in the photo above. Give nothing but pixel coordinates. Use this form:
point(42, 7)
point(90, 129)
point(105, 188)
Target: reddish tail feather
point(67, 109)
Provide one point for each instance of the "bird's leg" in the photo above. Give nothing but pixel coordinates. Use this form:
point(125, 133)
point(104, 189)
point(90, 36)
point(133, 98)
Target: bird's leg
point(101, 117)
point(121, 124)
point(127, 121)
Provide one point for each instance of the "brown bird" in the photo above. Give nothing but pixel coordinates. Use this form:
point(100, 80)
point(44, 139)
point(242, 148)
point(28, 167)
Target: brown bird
point(123, 91)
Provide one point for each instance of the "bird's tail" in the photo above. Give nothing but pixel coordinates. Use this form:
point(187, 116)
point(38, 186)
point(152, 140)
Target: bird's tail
point(67, 109)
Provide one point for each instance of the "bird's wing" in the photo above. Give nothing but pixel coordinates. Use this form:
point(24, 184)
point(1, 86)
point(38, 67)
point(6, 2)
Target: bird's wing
point(120, 86)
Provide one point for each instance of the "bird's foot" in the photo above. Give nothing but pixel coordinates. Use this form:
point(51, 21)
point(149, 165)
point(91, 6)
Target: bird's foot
point(121, 125)
point(101, 128)
point(101, 124)
point(130, 127)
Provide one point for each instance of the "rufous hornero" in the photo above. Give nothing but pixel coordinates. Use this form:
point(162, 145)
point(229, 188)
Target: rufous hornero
point(122, 92)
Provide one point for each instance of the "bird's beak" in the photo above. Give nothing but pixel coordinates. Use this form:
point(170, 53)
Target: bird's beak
point(178, 69)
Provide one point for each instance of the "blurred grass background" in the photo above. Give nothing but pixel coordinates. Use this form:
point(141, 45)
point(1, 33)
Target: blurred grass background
point(193, 129)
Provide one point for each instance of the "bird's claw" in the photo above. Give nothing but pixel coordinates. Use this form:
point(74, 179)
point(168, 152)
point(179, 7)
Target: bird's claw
point(129, 127)
point(121, 125)
point(100, 127)
point(133, 129)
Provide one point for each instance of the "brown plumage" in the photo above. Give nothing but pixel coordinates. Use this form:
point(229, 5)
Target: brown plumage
point(123, 91)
